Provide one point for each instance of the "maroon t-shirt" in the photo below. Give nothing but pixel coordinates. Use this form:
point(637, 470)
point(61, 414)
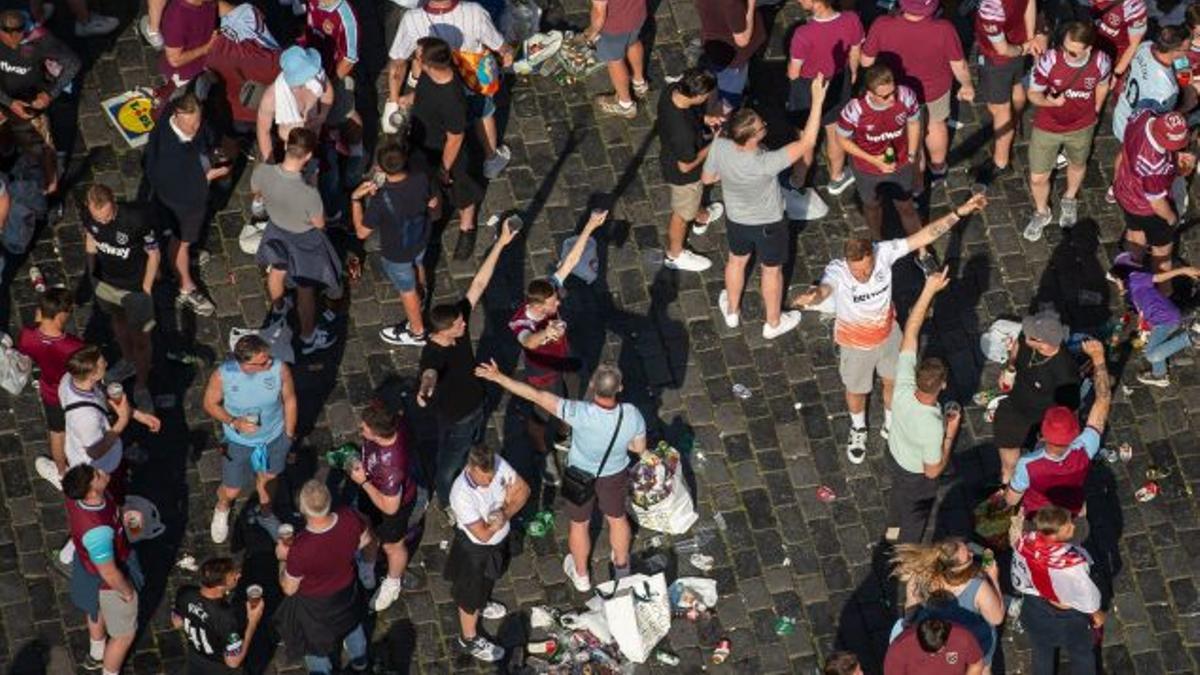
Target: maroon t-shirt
point(1000, 18)
point(719, 20)
point(186, 26)
point(1053, 76)
point(324, 561)
point(824, 45)
point(874, 129)
point(1148, 170)
point(905, 656)
point(50, 354)
point(918, 52)
point(389, 467)
point(624, 16)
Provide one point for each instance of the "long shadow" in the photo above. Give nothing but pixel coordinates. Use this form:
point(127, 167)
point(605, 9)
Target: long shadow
point(1074, 280)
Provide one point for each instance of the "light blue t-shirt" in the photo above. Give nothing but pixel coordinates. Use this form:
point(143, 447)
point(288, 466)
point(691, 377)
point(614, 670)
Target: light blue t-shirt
point(259, 392)
point(591, 430)
point(1150, 84)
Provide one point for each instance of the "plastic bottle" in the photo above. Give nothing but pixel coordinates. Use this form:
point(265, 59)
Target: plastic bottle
point(36, 278)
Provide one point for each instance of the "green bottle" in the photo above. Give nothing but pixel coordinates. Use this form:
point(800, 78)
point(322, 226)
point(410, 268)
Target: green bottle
point(339, 457)
point(889, 155)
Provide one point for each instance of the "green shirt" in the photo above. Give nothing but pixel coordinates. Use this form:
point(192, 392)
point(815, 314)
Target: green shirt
point(917, 429)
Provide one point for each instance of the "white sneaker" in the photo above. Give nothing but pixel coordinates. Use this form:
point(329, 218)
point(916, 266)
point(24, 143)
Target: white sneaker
point(494, 611)
point(581, 583)
point(1068, 212)
point(687, 262)
point(152, 38)
point(804, 204)
point(387, 593)
point(482, 649)
point(319, 340)
point(885, 431)
point(1037, 222)
point(787, 321)
point(1060, 162)
point(731, 319)
point(219, 529)
point(856, 448)
point(46, 468)
point(716, 211)
point(493, 166)
point(97, 24)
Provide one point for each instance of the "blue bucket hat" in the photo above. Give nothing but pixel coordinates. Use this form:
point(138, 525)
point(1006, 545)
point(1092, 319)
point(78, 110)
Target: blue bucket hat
point(299, 65)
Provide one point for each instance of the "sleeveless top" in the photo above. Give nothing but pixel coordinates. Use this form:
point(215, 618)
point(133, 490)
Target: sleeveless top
point(245, 393)
point(966, 600)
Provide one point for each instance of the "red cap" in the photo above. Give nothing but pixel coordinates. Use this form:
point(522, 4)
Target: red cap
point(1170, 131)
point(1060, 425)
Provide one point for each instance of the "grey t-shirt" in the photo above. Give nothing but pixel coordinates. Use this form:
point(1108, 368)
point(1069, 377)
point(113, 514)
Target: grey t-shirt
point(290, 202)
point(749, 181)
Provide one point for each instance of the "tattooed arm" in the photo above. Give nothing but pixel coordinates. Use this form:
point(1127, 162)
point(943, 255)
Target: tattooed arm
point(1102, 383)
point(928, 234)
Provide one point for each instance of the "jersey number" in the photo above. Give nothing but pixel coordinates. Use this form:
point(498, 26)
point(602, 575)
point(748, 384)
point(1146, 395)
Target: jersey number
point(199, 637)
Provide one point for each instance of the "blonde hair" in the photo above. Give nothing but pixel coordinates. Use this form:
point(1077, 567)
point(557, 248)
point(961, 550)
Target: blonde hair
point(314, 499)
point(932, 567)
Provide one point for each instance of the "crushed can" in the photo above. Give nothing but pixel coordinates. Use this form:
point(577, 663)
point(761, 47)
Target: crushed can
point(826, 494)
point(785, 625)
point(722, 650)
point(1147, 492)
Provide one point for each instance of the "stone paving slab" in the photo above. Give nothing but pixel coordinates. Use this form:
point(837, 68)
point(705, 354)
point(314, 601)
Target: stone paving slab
point(778, 550)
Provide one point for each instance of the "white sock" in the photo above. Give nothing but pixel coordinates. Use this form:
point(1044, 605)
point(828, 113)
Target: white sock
point(625, 104)
point(858, 420)
point(887, 418)
point(96, 649)
point(106, 671)
point(66, 555)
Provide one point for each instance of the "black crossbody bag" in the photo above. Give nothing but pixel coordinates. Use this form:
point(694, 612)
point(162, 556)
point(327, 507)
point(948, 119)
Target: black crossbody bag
point(578, 486)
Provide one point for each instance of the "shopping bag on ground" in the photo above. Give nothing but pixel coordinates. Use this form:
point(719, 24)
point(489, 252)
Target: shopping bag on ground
point(277, 334)
point(638, 612)
point(15, 367)
point(659, 498)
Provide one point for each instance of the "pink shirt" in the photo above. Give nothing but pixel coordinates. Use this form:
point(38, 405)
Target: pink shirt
point(874, 130)
point(824, 45)
point(1117, 20)
point(186, 26)
point(1054, 76)
point(1148, 170)
point(918, 52)
point(624, 16)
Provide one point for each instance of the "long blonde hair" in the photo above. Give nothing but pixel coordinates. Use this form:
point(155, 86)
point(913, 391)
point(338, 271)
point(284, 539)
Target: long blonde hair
point(930, 567)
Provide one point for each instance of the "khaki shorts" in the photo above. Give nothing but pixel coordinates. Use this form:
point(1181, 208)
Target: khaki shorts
point(1044, 147)
point(938, 110)
point(685, 200)
point(859, 366)
point(120, 617)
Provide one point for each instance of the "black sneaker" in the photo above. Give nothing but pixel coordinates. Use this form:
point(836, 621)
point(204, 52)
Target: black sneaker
point(988, 173)
point(482, 648)
point(90, 663)
point(400, 336)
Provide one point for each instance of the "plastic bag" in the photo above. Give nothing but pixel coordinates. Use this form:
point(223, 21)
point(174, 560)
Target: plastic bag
point(15, 367)
point(277, 334)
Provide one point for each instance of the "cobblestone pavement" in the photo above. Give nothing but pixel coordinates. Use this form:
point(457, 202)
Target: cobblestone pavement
point(779, 552)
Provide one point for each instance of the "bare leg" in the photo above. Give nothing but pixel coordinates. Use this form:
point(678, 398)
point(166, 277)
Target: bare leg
point(856, 403)
point(937, 142)
point(578, 544)
point(276, 286)
point(619, 537)
point(397, 559)
point(154, 10)
point(79, 10)
point(58, 452)
point(1075, 176)
point(181, 259)
point(735, 280)
point(469, 621)
point(888, 386)
point(676, 233)
point(306, 310)
point(116, 650)
point(1039, 188)
point(618, 73)
point(636, 55)
point(873, 214)
point(1008, 463)
point(226, 496)
point(412, 311)
point(466, 218)
point(1135, 243)
point(771, 281)
point(489, 135)
point(1002, 129)
point(833, 149)
point(1160, 261)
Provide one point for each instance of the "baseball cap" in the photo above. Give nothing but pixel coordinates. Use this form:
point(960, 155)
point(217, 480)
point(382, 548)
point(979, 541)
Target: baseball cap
point(1170, 131)
point(919, 7)
point(1060, 426)
point(299, 65)
point(1045, 326)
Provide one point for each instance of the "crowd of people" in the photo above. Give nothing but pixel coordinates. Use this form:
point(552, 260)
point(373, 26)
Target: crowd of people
point(875, 92)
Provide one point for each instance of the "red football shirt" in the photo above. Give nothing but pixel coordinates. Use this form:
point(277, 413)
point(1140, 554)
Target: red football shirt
point(1116, 20)
point(50, 354)
point(918, 52)
point(905, 656)
point(543, 363)
point(824, 45)
point(324, 561)
point(1148, 170)
point(333, 31)
point(1054, 76)
point(1000, 18)
point(874, 129)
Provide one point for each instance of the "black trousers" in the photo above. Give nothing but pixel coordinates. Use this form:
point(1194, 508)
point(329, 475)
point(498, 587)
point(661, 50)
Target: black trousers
point(910, 502)
point(1050, 629)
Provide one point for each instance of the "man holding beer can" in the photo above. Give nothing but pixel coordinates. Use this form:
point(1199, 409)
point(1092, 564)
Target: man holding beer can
point(218, 635)
point(253, 398)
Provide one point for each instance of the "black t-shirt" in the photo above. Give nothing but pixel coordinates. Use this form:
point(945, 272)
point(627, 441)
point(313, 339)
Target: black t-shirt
point(1044, 382)
point(681, 134)
point(438, 109)
point(121, 246)
point(458, 391)
point(400, 212)
point(213, 630)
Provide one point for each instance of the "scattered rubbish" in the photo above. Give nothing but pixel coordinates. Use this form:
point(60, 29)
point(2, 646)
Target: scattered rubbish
point(37, 279)
point(547, 647)
point(983, 397)
point(741, 391)
point(1147, 492)
point(542, 617)
point(1157, 473)
point(724, 647)
point(702, 562)
point(187, 563)
point(655, 541)
point(990, 413)
point(342, 456)
point(665, 657)
point(826, 493)
point(719, 519)
point(541, 524)
point(787, 562)
point(444, 545)
point(797, 405)
point(785, 625)
point(1111, 456)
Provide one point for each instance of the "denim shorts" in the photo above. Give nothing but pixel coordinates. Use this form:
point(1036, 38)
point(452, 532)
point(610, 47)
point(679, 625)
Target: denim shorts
point(236, 471)
point(612, 46)
point(481, 106)
point(403, 275)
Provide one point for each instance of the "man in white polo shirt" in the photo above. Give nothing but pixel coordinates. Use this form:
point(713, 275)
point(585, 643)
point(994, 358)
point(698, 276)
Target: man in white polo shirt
point(865, 328)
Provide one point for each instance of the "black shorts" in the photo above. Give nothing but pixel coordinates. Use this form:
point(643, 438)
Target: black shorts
point(769, 242)
point(186, 225)
point(800, 99)
point(473, 569)
point(1156, 230)
point(56, 420)
point(610, 492)
point(1015, 428)
point(391, 528)
point(996, 80)
point(895, 187)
